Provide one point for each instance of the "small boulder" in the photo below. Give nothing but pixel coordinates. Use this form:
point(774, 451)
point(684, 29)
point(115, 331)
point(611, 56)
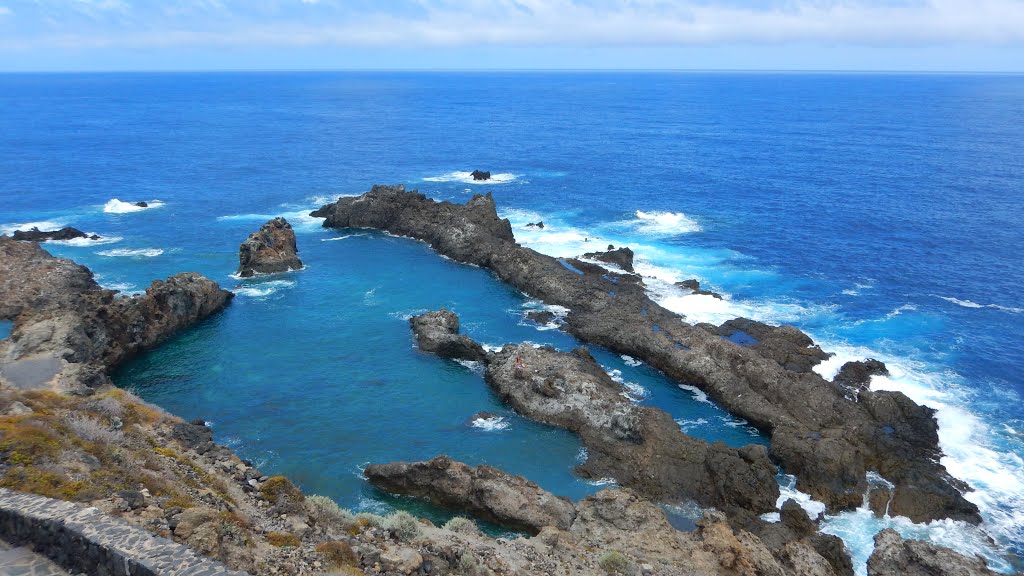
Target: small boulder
point(269, 250)
point(142, 204)
point(536, 225)
point(437, 332)
point(480, 175)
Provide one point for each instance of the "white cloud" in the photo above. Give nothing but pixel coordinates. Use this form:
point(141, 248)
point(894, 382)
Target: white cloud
point(5, 11)
point(572, 23)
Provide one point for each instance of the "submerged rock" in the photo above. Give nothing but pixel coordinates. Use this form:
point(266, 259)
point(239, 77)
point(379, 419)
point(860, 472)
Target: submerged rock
point(480, 175)
point(269, 250)
point(142, 204)
point(37, 235)
point(827, 439)
point(438, 333)
point(894, 556)
point(507, 500)
point(621, 257)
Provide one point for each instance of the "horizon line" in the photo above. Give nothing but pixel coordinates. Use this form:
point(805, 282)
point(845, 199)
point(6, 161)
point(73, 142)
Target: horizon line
point(518, 70)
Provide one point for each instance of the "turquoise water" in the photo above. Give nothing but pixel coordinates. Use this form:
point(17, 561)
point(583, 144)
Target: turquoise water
point(880, 213)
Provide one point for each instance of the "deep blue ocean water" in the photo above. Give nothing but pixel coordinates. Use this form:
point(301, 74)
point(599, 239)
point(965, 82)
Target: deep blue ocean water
point(883, 214)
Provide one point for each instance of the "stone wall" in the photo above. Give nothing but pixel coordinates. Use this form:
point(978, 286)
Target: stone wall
point(88, 541)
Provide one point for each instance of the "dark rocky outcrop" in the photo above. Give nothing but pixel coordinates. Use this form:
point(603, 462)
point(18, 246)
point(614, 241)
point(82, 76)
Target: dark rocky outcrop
point(480, 175)
point(621, 257)
point(541, 316)
point(69, 331)
point(507, 500)
point(857, 375)
point(536, 225)
point(142, 204)
point(37, 235)
point(641, 447)
point(785, 345)
point(894, 556)
point(829, 441)
point(438, 333)
point(269, 250)
point(693, 285)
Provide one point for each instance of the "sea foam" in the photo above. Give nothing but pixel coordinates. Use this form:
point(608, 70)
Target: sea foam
point(132, 252)
point(45, 226)
point(663, 223)
point(467, 178)
point(115, 206)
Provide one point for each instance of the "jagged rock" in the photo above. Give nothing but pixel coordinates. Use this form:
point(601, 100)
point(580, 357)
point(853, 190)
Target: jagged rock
point(541, 316)
point(69, 332)
point(438, 333)
point(510, 501)
point(894, 556)
point(269, 250)
point(536, 225)
point(480, 175)
point(857, 374)
point(142, 204)
point(621, 257)
point(37, 235)
point(828, 440)
point(641, 447)
point(693, 285)
point(795, 518)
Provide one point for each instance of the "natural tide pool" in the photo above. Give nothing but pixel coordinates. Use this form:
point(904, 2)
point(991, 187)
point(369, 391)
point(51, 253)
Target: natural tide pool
point(314, 374)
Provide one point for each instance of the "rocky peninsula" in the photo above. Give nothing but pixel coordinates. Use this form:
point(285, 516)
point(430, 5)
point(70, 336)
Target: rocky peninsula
point(826, 434)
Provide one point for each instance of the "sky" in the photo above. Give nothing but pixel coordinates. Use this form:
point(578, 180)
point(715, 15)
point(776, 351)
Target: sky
point(869, 35)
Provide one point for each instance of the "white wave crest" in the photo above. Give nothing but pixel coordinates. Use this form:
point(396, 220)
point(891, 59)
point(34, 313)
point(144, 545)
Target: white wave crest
point(132, 252)
point(263, 289)
point(697, 393)
point(491, 424)
point(45, 226)
point(80, 242)
point(602, 482)
point(971, 304)
point(345, 237)
point(630, 361)
point(631, 390)
point(663, 223)
point(300, 220)
point(467, 178)
point(115, 206)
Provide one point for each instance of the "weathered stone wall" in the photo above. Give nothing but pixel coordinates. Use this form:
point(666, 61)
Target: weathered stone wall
point(88, 541)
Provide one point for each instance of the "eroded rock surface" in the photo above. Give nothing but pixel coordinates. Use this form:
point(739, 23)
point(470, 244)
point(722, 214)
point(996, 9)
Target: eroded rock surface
point(641, 447)
point(69, 332)
point(438, 333)
point(621, 257)
point(269, 250)
point(489, 493)
point(894, 556)
point(829, 441)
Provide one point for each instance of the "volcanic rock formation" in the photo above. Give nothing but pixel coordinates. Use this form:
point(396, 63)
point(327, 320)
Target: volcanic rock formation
point(269, 250)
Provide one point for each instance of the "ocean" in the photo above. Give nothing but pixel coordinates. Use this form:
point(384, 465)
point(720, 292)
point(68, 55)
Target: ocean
point(880, 213)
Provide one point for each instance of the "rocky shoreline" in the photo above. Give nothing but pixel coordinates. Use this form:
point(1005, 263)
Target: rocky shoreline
point(67, 433)
point(827, 435)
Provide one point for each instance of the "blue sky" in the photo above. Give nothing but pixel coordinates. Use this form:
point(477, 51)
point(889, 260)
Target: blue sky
point(930, 35)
